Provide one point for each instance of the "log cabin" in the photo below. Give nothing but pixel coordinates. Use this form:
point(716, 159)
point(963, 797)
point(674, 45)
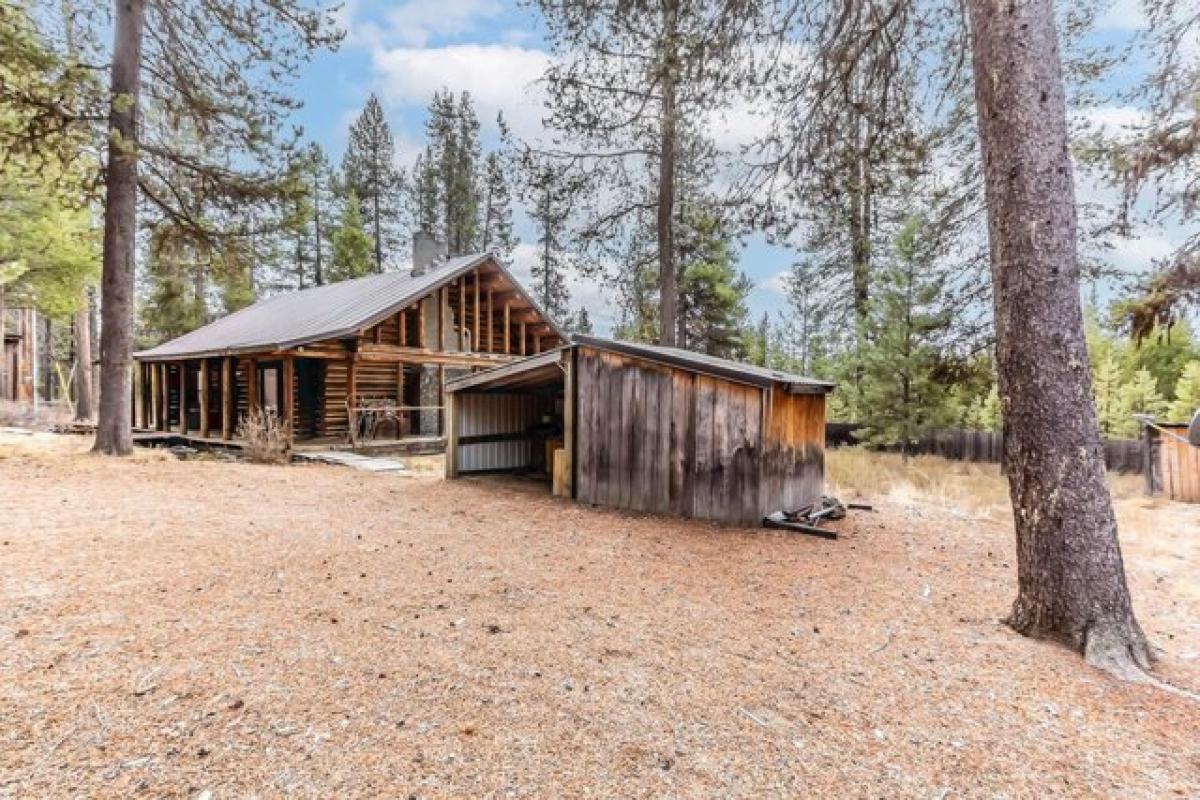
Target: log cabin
point(645, 428)
point(359, 359)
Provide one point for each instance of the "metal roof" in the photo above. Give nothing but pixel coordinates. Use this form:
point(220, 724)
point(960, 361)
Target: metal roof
point(543, 364)
point(323, 312)
point(674, 356)
point(702, 362)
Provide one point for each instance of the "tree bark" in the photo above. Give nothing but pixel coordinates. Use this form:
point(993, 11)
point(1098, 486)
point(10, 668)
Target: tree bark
point(319, 277)
point(666, 183)
point(1071, 578)
point(378, 236)
point(114, 434)
point(82, 323)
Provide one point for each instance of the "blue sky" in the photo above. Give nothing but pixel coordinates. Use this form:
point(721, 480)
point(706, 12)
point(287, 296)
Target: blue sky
point(404, 51)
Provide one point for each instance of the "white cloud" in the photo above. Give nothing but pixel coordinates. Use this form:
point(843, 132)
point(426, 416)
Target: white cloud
point(498, 76)
point(415, 22)
point(776, 284)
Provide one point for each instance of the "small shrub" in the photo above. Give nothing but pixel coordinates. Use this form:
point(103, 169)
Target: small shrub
point(265, 440)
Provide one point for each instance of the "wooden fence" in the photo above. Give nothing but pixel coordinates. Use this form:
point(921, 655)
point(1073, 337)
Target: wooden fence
point(962, 444)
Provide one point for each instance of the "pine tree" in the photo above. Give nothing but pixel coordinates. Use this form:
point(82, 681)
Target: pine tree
point(352, 246)
point(1106, 389)
point(712, 293)
point(1187, 394)
point(426, 195)
point(497, 224)
point(625, 82)
point(1139, 395)
point(549, 271)
point(320, 177)
point(901, 356)
point(369, 170)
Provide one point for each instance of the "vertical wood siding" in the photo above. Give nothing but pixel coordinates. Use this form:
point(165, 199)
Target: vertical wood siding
point(655, 438)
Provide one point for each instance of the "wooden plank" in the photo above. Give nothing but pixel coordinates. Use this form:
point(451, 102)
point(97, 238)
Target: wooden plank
point(402, 327)
point(475, 344)
point(205, 429)
point(569, 432)
point(288, 399)
point(443, 307)
point(633, 488)
point(139, 395)
point(507, 326)
point(461, 285)
point(154, 421)
point(183, 397)
point(584, 442)
point(611, 423)
point(227, 409)
point(491, 330)
point(164, 383)
point(752, 411)
point(680, 434)
point(702, 474)
point(452, 426)
point(421, 323)
point(441, 379)
point(664, 405)
point(522, 337)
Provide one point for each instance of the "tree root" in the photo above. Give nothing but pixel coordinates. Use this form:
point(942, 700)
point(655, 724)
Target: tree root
point(1126, 657)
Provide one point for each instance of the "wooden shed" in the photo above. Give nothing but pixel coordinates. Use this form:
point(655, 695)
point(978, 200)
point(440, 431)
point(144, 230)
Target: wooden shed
point(646, 428)
point(1172, 463)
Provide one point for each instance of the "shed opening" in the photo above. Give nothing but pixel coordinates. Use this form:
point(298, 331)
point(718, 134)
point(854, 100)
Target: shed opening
point(514, 424)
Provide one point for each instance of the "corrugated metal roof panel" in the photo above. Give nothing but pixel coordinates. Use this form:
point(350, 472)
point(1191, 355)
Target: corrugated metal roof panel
point(322, 312)
point(702, 362)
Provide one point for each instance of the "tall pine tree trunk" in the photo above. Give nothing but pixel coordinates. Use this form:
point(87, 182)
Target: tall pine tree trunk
point(1071, 578)
point(82, 324)
point(666, 183)
point(378, 235)
point(114, 433)
point(319, 276)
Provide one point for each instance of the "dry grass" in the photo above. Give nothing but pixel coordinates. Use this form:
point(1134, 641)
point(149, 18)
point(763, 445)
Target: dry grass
point(974, 489)
point(20, 415)
point(265, 438)
point(172, 628)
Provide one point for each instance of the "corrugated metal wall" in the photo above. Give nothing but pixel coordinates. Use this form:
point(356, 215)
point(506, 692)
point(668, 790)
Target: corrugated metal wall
point(483, 414)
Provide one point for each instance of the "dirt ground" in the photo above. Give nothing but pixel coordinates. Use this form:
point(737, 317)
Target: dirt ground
point(209, 629)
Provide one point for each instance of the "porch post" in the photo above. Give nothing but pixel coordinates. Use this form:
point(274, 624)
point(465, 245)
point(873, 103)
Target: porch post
point(154, 392)
point(204, 426)
point(352, 398)
point(491, 330)
point(441, 378)
point(451, 438)
point(164, 383)
point(183, 429)
point(462, 313)
point(522, 337)
point(227, 409)
point(251, 385)
point(139, 394)
point(289, 399)
point(507, 326)
point(475, 345)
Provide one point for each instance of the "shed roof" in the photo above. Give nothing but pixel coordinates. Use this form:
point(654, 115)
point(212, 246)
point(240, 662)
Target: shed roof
point(712, 365)
point(322, 312)
point(685, 359)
